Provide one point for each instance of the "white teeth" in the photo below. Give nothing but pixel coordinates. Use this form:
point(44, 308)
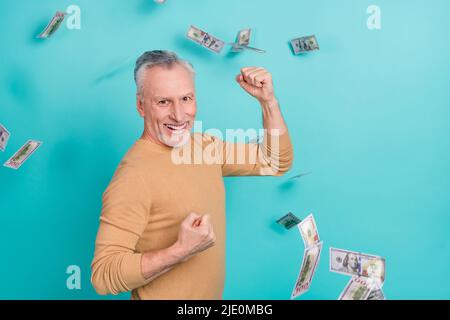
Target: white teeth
point(176, 128)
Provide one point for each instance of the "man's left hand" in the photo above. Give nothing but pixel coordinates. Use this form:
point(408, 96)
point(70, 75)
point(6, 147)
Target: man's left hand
point(257, 82)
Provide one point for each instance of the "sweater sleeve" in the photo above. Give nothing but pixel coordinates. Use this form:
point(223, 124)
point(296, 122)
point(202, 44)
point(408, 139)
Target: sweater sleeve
point(116, 266)
point(272, 157)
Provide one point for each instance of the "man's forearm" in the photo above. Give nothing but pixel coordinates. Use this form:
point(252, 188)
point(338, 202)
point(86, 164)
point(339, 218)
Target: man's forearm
point(157, 262)
point(272, 117)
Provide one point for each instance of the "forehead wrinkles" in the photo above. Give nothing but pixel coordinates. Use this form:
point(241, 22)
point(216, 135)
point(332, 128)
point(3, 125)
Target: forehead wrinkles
point(177, 95)
point(171, 90)
point(175, 77)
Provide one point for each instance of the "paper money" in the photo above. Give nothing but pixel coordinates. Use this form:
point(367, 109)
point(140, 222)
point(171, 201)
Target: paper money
point(205, 39)
point(22, 154)
point(289, 220)
point(308, 231)
point(53, 25)
point(243, 41)
point(357, 264)
point(243, 37)
point(310, 261)
point(357, 288)
point(304, 44)
point(4, 137)
point(376, 293)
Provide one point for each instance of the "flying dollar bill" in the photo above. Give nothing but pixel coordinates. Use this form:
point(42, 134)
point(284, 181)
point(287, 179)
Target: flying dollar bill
point(310, 261)
point(357, 288)
point(357, 264)
point(22, 154)
point(308, 231)
point(376, 293)
point(205, 39)
point(304, 44)
point(53, 25)
point(243, 41)
point(4, 137)
point(289, 220)
point(243, 37)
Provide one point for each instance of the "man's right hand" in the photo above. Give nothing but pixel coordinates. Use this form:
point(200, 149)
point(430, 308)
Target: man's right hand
point(196, 234)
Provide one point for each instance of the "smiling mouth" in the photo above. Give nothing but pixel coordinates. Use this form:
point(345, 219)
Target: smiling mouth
point(176, 128)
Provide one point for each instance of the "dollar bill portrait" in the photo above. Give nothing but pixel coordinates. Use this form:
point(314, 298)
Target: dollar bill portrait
point(350, 264)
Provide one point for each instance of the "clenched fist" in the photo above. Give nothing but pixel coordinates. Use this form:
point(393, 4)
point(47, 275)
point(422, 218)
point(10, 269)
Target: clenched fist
point(257, 82)
point(196, 234)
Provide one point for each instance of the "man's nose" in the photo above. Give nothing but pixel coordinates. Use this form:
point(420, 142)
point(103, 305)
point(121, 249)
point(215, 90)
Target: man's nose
point(177, 112)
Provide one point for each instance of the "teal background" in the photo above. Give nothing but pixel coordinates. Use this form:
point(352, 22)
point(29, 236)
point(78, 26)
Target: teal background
point(368, 114)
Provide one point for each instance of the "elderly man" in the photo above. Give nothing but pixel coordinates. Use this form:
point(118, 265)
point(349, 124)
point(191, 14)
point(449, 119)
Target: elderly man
point(162, 226)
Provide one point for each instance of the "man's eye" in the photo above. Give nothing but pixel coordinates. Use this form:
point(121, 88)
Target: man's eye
point(162, 102)
point(185, 99)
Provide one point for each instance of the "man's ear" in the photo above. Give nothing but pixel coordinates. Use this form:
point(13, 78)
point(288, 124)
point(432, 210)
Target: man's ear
point(140, 105)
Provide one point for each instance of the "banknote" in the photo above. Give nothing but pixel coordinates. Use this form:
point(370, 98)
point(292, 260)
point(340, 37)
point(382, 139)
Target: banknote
point(243, 41)
point(53, 25)
point(304, 44)
point(376, 293)
point(310, 261)
point(243, 37)
point(289, 220)
point(4, 137)
point(358, 288)
point(22, 154)
point(204, 39)
point(308, 231)
point(357, 264)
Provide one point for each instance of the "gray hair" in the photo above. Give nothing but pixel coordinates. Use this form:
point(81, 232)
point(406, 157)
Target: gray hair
point(155, 58)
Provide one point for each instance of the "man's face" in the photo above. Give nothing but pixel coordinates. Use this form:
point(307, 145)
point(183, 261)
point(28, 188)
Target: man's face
point(167, 103)
point(353, 262)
